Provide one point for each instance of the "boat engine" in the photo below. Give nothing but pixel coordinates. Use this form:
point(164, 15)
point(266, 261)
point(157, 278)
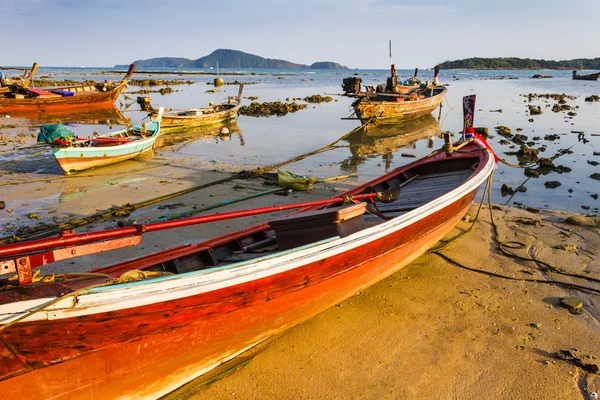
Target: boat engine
point(351, 85)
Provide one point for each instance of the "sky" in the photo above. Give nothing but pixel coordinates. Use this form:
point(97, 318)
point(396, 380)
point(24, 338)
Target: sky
point(355, 33)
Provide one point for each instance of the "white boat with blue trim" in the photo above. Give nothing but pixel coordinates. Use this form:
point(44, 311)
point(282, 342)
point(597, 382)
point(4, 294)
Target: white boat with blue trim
point(100, 150)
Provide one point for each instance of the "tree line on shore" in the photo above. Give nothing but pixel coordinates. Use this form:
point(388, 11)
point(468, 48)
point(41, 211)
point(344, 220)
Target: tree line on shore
point(520, 63)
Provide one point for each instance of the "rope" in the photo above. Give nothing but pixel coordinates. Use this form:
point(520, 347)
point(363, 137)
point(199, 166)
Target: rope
point(71, 177)
point(22, 158)
point(451, 108)
point(74, 223)
point(502, 248)
point(129, 276)
point(35, 146)
point(328, 147)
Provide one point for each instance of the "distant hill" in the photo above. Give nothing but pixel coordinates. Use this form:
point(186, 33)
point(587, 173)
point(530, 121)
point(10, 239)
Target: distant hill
point(327, 65)
point(520, 63)
point(229, 59)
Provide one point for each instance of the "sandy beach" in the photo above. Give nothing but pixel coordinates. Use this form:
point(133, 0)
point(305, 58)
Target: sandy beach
point(433, 330)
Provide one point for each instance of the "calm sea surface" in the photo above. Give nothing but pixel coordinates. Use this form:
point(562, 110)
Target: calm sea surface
point(265, 141)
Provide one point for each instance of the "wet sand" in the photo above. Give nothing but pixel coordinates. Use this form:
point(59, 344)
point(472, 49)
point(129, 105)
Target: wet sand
point(437, 331)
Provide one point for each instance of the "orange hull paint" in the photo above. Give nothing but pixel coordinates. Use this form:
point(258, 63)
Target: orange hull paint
point(81, 101)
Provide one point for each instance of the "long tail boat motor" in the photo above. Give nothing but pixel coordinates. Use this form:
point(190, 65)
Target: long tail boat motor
point(144, 103)
point(351, 85)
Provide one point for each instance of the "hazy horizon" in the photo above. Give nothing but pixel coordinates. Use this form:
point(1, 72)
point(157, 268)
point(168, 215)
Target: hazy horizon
point(354, 33)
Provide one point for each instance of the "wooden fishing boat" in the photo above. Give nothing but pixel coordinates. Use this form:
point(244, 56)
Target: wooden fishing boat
point(24, 81)
point(109, 148)
point(199, 305)
point(27, 99)
point(388, 107)
point(198, 117)
point(393, 103)
point(588, 77)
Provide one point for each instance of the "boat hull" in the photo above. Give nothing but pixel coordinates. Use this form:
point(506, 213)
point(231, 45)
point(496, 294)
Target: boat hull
point(174, 123)
point(393, 111)
point(146, 352)
point(86, 100)
point(72, 159)
point(590, 77)
point(73, 164)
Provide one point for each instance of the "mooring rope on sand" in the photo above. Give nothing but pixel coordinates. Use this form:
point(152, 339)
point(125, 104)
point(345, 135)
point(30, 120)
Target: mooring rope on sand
point(23, 158)
point(502, 247)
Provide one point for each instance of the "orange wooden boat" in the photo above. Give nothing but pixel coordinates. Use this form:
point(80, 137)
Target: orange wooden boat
point(199, 305)
point(22, 99)
point(393, 103)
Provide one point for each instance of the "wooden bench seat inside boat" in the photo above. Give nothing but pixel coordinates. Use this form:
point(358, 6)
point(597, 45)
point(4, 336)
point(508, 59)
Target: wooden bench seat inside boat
point(311, 226)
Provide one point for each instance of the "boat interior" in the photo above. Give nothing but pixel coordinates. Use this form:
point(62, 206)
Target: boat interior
point(411, 95)
point(127, 135)
point(417, 187)
point(193, 112)
point(20, 92)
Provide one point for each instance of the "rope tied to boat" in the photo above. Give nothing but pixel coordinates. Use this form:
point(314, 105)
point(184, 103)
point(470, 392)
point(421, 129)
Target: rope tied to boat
point(129, 276)
point(503, 245)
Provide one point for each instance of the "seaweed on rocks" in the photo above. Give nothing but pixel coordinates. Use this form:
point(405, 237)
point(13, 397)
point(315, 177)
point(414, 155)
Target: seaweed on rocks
point(270, 108)
point(317, 98)
point(534, 110)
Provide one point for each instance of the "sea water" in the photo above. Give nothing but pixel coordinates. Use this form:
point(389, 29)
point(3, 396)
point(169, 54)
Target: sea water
point(501, 100)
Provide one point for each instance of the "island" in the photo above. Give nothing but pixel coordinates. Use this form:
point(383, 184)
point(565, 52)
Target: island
point(521, 63)
point(225, 58)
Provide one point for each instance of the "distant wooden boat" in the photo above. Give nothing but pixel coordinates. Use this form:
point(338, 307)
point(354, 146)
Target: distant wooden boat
point(394, 102)
point(109, 148)
point(394, 107)
point(352, 85)
point(199, 305)
point(29, 99)
point(198, 117)
point(589, 77)
point(24, 81)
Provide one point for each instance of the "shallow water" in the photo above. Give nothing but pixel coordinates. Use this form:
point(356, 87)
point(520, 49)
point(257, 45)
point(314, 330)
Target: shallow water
point(267, 141)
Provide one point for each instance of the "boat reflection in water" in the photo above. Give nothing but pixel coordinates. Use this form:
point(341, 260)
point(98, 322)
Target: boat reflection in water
point(384, 140)
point(99, 116)
point(191, 133)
